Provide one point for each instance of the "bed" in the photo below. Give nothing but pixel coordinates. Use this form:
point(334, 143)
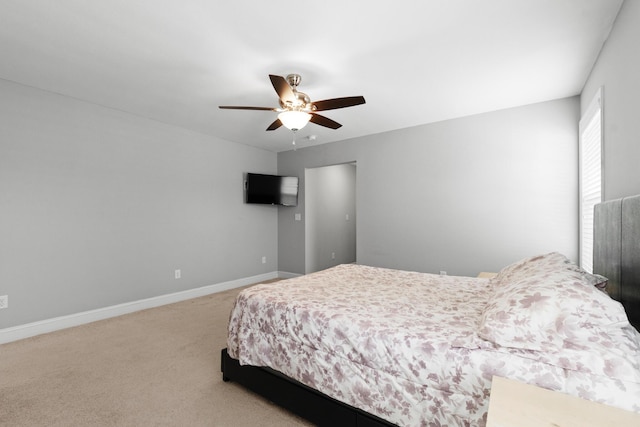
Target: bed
point(367, 346)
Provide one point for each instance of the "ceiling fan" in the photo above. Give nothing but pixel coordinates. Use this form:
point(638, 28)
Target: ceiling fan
point(296, 108)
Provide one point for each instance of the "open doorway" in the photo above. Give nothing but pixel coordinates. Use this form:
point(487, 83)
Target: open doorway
point(330, 227)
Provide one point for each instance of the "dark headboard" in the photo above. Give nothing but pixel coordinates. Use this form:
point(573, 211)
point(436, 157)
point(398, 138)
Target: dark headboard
point(616, 251)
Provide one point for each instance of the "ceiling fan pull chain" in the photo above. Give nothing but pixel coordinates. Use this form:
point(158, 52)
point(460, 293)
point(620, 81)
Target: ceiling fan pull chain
point(294, 140)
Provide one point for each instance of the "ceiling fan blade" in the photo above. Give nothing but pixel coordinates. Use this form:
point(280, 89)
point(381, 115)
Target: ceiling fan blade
point(282, 88)
point(334, 103)
point(324, 121)
point(238, 107)
point(275, 125)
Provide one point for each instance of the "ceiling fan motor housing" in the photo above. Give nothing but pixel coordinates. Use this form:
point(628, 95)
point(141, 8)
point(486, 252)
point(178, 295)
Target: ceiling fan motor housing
point(301, 103)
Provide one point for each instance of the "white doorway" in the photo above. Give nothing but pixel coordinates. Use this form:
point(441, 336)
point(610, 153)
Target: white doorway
point(330, 227)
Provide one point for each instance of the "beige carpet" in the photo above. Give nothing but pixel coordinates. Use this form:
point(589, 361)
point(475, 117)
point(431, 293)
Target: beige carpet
point(158, 367)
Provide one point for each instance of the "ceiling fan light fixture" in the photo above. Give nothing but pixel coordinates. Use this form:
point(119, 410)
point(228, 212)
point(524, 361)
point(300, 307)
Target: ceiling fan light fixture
point(294, 120)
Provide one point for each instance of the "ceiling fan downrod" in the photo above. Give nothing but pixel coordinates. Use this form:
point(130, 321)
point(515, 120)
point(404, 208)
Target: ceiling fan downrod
point(294, 80)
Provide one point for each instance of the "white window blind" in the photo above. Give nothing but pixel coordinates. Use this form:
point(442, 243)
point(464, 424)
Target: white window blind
point(590, 176)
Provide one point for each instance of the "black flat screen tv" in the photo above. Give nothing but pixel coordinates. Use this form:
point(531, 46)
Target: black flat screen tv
point(271, 189)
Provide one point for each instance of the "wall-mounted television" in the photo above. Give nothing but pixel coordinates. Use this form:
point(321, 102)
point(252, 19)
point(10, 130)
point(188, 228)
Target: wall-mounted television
point(271, 189)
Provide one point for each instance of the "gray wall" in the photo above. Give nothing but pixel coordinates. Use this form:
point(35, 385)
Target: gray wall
point(464, 195)
point(98, 207)
point(330, 204)
point(617, 71)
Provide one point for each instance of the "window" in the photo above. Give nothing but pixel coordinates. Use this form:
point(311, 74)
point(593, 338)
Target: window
point(590, 153)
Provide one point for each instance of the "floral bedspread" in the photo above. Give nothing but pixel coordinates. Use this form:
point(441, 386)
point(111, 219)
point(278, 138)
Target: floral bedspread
point(404, 345)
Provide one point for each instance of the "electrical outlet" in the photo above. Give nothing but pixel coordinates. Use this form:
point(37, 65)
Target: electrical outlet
point(443, 273)
point(4, 301)
point(264, 259)
point(177, 274)
point(333, 255)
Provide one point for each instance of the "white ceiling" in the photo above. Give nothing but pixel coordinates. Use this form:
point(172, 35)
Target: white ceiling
point(414, 61)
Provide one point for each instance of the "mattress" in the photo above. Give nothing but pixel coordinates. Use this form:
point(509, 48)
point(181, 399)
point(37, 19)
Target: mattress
point(405, 346)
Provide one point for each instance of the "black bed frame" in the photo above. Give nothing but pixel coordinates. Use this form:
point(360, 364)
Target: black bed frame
point(616, 256)
point(298, 398)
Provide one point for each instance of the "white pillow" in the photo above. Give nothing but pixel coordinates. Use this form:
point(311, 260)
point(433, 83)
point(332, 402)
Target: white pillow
point(547, 302)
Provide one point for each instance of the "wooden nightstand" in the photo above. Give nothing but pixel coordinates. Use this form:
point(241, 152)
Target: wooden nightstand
point(515, 404)
point(487, 275)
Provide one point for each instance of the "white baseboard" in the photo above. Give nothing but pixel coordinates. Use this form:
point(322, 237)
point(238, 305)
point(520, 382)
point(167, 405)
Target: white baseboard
point(55, 324)
point(287, 275)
